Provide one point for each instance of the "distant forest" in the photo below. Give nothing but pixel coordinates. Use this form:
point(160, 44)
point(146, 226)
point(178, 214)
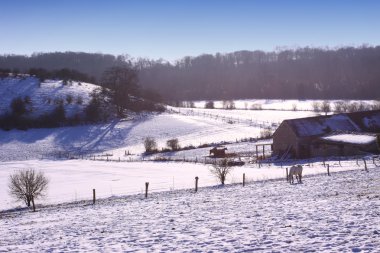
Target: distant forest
point(313, 73)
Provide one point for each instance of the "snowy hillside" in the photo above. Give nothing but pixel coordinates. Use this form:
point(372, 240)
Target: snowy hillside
point(324, 214)
point(117, 136)
point(45, 96)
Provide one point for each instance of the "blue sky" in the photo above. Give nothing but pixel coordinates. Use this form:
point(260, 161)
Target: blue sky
point(171, 29)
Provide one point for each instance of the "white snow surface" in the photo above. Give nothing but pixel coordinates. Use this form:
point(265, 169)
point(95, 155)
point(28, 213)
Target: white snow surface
point(72, 180)
point(351, 138)
point(324, 214)
point(41, 93)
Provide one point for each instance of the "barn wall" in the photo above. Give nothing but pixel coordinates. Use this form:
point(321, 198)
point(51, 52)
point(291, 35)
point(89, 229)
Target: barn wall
point(331, 149)
point(282, 138)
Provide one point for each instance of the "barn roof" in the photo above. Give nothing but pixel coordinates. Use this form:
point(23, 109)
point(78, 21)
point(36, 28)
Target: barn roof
point(320, 125)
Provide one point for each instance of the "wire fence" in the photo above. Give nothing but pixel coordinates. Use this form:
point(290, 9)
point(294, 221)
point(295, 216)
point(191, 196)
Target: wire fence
point(248, 175)
point(264, 124)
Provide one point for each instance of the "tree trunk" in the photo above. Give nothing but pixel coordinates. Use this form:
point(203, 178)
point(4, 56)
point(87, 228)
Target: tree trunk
point(34, 207)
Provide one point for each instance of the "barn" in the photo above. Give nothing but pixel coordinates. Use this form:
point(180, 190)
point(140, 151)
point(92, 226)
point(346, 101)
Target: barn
point(338, 134)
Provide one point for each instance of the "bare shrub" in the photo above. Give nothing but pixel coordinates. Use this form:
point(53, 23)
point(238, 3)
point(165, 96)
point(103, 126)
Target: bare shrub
point(221, 170)
point(256, 107)
point(173, 144)
point(150, 144)
point(79, 100)
point(69, 98)
point(229, 104)
point(27, 185)
point(294, 107)
point(316, 106)
point(266, 133)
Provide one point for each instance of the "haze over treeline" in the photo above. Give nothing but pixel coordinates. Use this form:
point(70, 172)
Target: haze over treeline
point(346, 73)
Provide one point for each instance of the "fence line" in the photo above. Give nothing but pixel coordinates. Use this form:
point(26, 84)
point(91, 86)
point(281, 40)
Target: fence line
point(229, 119)
point(94, 194)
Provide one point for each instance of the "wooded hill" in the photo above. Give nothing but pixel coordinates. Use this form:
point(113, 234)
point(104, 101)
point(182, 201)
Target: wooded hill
point(343, 73)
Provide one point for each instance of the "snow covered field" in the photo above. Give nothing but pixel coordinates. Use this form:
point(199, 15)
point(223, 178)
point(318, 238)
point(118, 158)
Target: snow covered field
point(324, 214)
point(73, 180)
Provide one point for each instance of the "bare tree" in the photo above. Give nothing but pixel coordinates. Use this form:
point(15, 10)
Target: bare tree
point(122, 84)
point(209, 105)
point(339, 106)
point(28, 185)
point(173, 144)
point(325, 107)
point(221, 170)
point(150, 144)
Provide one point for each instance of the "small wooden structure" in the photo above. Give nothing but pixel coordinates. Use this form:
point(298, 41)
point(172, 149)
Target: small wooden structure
point(218, 152)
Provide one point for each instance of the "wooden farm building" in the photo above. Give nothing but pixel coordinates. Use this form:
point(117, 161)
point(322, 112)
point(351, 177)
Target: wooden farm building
point(218, 152)
point(333, 135)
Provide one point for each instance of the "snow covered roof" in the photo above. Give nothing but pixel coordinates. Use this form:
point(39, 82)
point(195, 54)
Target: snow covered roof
point(367, 121)
point(351, 138)
point(320, 125)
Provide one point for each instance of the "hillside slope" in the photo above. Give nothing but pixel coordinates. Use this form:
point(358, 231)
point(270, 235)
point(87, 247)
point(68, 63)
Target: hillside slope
point(45, 96)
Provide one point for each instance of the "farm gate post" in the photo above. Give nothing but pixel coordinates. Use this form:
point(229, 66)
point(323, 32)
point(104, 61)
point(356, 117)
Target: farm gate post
point(196, 184)
point(93, 196)
point(146, 189)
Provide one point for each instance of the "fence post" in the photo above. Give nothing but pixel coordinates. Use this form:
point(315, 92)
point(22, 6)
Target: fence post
point(93, 196)
point(243, 179)
point(146, 189)
point(196, 184)
point(287, 174)
point(365, 165)
point(328, 169)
